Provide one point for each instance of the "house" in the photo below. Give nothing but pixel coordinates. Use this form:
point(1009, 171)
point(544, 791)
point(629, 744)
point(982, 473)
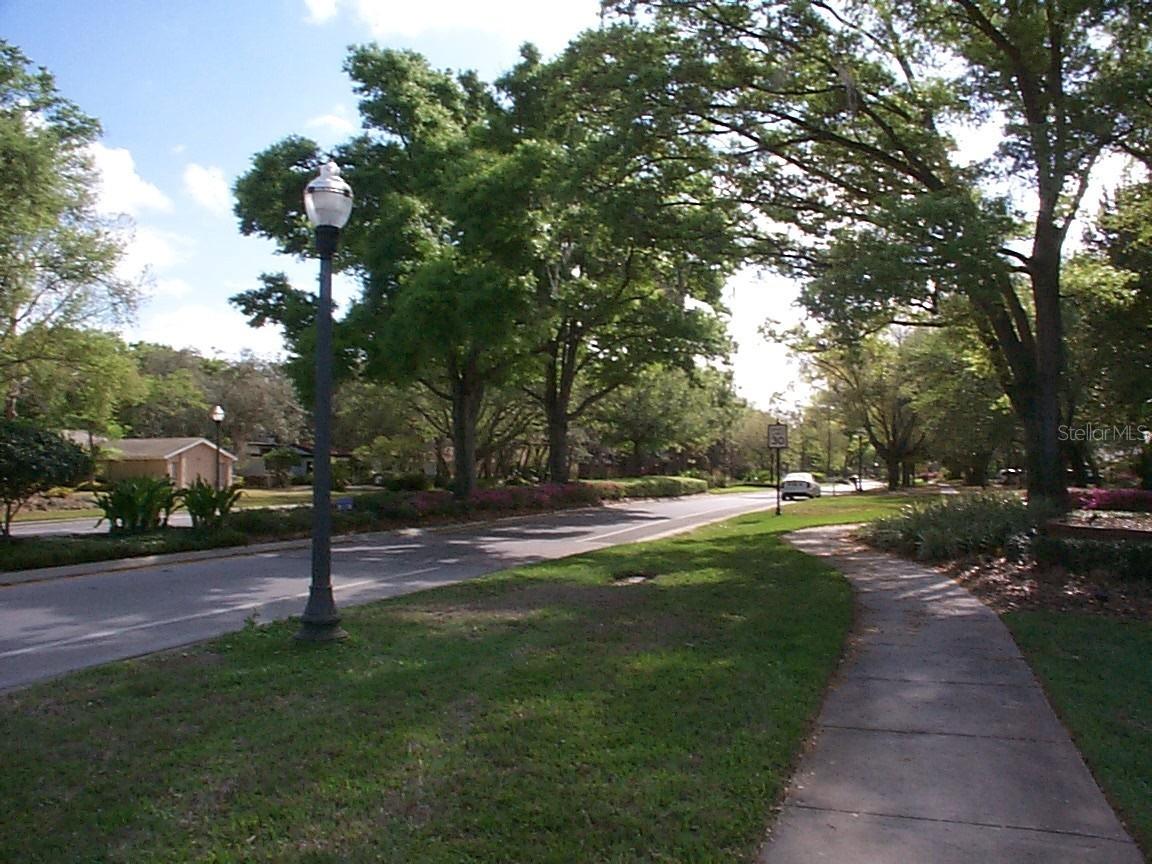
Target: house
point(252, 467)
point(183, 459)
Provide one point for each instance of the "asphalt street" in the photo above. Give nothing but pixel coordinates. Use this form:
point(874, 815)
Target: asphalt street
point(51, 627)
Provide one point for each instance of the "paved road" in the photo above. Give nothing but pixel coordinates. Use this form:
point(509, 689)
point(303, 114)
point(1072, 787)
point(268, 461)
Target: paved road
point(51, 627)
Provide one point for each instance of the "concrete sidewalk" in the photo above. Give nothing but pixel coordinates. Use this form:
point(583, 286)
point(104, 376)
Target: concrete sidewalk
point(936, 743)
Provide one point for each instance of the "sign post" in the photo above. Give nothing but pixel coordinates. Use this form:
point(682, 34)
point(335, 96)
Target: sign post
point(778, 440)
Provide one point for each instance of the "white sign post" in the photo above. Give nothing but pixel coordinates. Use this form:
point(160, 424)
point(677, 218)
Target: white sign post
point(777, 441)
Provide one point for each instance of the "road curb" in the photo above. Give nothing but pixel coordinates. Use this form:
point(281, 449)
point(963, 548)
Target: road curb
point(116, 565)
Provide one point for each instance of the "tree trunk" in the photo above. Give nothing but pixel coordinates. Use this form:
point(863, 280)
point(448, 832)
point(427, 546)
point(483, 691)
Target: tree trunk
point(1045, 467)
point(558, 468)
point(893, 464)
point(559, 382)
point(467, 396)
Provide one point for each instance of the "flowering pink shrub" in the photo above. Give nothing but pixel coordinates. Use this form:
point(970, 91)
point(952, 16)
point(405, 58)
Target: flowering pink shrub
point(549, 496)
point(1133, 500)
point(436, 502)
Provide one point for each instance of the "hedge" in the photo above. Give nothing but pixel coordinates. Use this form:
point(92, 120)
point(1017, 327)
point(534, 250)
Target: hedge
point(647, 487)
point(1129, 561)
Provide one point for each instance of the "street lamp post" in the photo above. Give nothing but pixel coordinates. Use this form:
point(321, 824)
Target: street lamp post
point(328, 203)
point(217, 416)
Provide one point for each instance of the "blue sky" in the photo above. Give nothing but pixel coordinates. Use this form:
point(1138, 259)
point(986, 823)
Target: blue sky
point(188, 92)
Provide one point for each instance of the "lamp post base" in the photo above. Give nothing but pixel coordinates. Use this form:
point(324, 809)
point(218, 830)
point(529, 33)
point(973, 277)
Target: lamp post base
point(320, 621)
point(320, 631)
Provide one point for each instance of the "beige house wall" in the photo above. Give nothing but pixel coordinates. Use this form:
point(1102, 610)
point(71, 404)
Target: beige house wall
point(184, 468)
point(135, 468)
point(199, 462)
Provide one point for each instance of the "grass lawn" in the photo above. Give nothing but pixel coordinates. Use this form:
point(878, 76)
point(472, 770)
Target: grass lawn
point(251, 498)
point(740, 487)
point(641, 703)
point(1097, 672)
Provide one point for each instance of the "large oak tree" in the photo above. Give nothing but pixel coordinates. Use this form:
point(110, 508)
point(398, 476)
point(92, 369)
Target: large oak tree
point(842, 120)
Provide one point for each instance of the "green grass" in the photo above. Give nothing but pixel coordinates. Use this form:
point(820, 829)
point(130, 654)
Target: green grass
point(1097, 672)
point(252, 498)
point(57, 515)
point(543, 714)
point(740, 487)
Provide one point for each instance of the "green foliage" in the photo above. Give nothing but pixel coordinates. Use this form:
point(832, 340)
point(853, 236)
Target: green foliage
point(58, 257)
point(517, 241)
point(136, 505)
point(647, 487)
point(28, 553)
point(34, 460)
point(954, 526)
point(93, 376)
point(390, 505)
point(1130, 560)
point(208, 506)
point(416, 482)
point(272, 524)
point(844, 144)
point(870, 384)
point(640, 419)
point(280, 463)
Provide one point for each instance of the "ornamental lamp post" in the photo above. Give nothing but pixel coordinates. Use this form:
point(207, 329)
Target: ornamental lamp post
point(328, 203)
point(217, 416)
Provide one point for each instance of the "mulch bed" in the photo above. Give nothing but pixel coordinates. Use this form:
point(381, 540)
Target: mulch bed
point(1007, 586)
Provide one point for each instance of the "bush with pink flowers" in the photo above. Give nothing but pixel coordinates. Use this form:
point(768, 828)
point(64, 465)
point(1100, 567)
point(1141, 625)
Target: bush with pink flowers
point(1131, 500)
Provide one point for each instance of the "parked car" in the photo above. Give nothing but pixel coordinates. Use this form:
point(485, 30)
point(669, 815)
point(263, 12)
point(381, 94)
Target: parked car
point(799, 485)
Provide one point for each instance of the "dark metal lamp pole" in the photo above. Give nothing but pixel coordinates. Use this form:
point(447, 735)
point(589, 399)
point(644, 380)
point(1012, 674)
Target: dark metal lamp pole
point(217, 416)
point(328, 202)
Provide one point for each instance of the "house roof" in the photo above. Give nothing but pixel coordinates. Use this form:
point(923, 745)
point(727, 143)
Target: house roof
point(148, 449)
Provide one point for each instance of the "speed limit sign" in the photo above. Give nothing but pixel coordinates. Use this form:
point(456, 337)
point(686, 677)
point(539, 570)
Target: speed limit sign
point(778, 436)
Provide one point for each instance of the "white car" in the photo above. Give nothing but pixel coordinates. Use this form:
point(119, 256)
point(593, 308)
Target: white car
point(800, 484)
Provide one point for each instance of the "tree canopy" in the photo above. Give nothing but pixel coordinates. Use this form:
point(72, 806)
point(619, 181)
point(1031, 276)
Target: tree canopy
point(504, 235)
point(58, 258)
point(841, 122)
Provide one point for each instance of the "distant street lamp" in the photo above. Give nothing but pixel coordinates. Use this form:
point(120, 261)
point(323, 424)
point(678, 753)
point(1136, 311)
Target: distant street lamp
point(217, 416)
point(328, 203)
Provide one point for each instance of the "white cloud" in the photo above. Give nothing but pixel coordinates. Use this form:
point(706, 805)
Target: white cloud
point(336, 122)
point(208, 329)
point(320, 11)
point(121, 189)
point(209, 188)
point(548, 24)
point(154, 250)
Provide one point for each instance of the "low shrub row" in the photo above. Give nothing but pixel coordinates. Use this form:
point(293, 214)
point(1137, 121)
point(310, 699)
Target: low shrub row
point(1131, 500)
point(1129, 561)
point(27, 553)
point(991, 523)
point(953, 527)
point(647, 487)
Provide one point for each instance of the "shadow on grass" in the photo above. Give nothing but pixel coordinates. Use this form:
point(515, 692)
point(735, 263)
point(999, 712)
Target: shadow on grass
point(543, 715)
